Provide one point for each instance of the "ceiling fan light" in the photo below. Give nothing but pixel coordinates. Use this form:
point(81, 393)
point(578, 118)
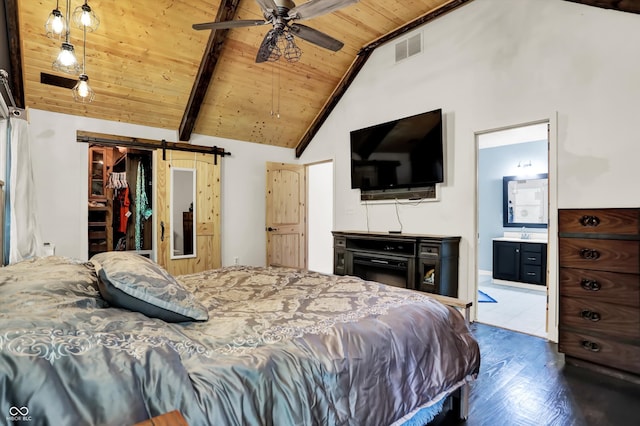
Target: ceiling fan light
point(56, 25)
point(66, 60)
point(85, 17)
point(82, 92)
point(292, 52)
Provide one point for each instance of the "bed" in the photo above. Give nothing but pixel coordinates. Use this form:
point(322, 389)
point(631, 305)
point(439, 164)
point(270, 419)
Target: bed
point(275, 346)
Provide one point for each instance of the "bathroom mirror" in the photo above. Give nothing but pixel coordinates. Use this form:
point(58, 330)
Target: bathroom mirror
point(525, 201)
point(183, 213)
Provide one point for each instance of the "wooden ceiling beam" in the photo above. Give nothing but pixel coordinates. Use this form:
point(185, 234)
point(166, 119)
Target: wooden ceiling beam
point(359, 62)
point(632, 6)
point(333, 100)
point(15, 63)
point(226, 12)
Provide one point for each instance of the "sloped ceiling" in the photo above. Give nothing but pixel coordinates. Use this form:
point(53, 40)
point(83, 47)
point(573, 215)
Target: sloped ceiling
point(143, 63)
point(144, 58)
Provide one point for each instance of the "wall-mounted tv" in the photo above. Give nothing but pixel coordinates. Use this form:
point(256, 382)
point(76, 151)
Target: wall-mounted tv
point(403, 153)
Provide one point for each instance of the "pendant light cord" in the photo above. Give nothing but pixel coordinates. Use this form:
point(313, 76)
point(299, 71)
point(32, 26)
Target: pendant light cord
point(68, 13)
point(275, 111)
point(84, 48)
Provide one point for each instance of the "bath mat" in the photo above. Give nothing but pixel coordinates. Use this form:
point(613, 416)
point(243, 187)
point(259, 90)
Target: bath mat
point(484, 297)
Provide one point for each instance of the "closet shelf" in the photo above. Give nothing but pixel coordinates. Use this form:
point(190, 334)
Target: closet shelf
point(97, 235)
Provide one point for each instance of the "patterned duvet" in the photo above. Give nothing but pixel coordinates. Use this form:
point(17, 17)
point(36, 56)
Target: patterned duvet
point(281, 347)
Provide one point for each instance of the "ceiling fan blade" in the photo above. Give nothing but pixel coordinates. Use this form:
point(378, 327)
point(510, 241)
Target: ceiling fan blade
point(267, 6)
point(266, 47)
point(316, 37)
point(314, 8)
point(229, 24)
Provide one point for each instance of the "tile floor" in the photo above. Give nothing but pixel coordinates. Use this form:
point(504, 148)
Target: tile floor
point(516, 309)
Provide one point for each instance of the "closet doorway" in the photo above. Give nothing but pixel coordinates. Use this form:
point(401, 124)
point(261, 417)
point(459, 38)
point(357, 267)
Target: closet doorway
point(120, 200)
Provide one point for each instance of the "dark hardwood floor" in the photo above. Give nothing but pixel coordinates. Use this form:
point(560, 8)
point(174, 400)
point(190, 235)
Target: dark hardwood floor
point(523, 380)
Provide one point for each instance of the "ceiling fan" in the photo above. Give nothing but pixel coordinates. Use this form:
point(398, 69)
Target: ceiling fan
point(281, 14)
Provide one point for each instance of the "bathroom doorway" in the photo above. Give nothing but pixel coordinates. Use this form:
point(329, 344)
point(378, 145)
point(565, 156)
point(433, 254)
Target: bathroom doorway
point(512, 255)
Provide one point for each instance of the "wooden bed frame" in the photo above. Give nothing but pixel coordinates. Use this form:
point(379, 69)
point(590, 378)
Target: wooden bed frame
point(460, 397)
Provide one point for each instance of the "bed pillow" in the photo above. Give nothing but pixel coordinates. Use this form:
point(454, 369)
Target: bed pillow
point(130, 281)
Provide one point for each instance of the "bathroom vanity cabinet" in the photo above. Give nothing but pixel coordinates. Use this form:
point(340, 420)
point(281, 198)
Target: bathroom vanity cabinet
point(520, 260)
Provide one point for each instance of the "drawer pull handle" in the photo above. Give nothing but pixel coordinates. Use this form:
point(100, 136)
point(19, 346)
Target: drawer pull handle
point(589, 254)
point(589, 220)
point(532, 258)
point(590, 285)
point(531, 274)
point(590, 315)
point(590, 346)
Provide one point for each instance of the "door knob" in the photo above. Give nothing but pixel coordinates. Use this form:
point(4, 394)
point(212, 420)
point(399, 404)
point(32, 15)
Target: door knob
point(271, 229)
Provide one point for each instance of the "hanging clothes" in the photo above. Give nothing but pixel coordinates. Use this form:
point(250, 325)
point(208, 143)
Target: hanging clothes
point(143, 210)
point(117, 180)
point(123, 199)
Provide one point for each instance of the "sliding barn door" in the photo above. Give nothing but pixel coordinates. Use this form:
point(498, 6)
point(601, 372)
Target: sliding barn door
point(206, 212)
point(286, 215)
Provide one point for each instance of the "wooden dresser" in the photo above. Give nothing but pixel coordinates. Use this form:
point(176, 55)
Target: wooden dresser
point(599, 253)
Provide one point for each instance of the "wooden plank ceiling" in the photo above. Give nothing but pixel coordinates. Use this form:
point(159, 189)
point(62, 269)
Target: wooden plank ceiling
point(144, 58)
point(143, 61)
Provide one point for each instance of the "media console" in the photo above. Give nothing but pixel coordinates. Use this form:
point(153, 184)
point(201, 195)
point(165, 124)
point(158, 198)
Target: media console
point(415, 261)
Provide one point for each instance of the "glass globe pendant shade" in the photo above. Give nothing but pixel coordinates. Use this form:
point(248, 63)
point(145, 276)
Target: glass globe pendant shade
point(66, 60)
point(82, 92)
point(56, 25)
point(84, 17)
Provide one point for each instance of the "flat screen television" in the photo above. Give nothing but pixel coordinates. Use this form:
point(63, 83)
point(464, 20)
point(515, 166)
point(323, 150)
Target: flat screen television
point(403, 153)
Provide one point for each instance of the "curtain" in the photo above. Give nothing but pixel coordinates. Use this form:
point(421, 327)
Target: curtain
point(24, 235)
point(5, 165)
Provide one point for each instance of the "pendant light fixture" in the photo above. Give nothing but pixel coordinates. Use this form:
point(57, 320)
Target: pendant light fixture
point(56, 25)
point(66, 60)
point(82, 92)
point(85, 17)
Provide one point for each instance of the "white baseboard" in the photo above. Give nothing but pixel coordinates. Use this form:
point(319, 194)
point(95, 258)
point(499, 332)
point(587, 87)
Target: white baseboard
point(535, 287)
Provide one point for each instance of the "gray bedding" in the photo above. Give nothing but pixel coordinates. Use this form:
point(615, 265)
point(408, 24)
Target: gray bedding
point(281, 347)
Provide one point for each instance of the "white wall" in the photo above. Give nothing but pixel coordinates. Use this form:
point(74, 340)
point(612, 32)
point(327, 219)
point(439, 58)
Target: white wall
point(244, 182)
point(60, 174)
point(320, 217)
point(492, 64)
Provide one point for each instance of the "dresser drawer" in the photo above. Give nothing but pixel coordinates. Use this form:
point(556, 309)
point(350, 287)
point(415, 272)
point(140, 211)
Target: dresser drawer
point(602, 255)
point(601, 286)
point(599, 221)
point(602, 351)
point(595, 316)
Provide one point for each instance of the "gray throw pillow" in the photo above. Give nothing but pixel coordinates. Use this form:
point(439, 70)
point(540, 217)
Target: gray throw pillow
point(130, 281)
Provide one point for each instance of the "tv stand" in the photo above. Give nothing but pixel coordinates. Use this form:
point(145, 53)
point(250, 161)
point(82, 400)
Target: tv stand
point(419, 262)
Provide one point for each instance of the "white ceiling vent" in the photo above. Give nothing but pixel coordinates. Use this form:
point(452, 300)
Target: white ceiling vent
point(408, 47)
